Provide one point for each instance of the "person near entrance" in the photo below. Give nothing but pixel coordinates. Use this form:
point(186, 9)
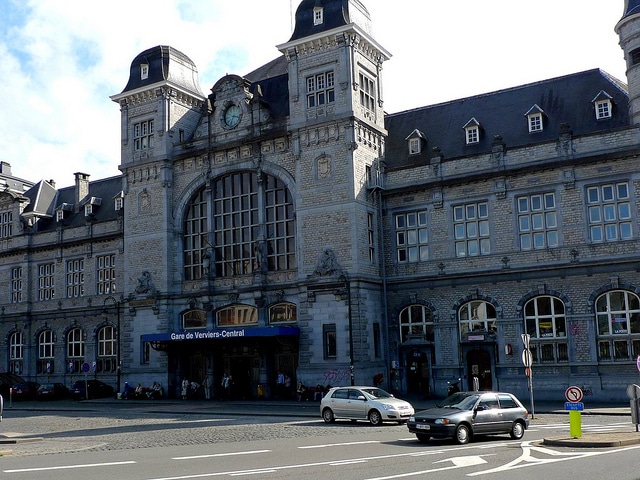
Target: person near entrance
point(207, 384)
point(280, 384)
point(185, 388)
point(226, 387)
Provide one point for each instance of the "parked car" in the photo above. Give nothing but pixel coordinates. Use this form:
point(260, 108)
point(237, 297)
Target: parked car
point(364, 403)
point(96, 389)
point(466, 414)
point(8, 380)
point(52, 391)
point(24, 390)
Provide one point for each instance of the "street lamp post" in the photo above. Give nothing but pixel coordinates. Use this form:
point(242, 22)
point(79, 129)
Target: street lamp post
point(116, 303)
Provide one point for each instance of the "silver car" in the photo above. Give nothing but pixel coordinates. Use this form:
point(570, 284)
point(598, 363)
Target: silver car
point(364, 403)
point(465, 414)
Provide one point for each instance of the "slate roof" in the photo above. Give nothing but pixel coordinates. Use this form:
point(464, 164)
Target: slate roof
point(273, 79)
point(336, 13)
point(45, 199)
point(566, 99)
point(632, 8)
point(166, 64)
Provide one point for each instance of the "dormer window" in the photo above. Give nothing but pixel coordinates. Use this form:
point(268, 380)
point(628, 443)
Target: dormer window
point(415, 141)
point(534, 118)
point(88, 210)
point(318, 15)
point(472, 131)
point(59, 215)
point(118, 202)
point(144, 71)
point(65, 207)
point(90, 205)
point(603, 105)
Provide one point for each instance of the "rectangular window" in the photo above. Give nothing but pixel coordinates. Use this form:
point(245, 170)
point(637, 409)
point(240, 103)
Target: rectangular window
point(603, 109)
point(16, 284)
point(46, 281)
point(371, 237)
point(609, 212)
point(367, 93)
point(473, 135)
point(6, 224)
point(414, 146)
point(412, 237)
point(535, 122)
point(143, 135)
point(75, 278)
point(537, 221)
point(471, 229)
point(330, 346)
point(106, 274)
point(320, 89)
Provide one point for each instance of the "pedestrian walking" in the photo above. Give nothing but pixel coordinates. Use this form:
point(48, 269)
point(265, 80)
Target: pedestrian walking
point(185, 388)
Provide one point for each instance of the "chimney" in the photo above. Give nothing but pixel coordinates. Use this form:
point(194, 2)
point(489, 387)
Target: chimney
point(82, 189)
point(5, 168)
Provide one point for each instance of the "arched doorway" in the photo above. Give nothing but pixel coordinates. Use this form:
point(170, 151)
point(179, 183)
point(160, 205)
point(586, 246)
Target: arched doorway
point(479, 366)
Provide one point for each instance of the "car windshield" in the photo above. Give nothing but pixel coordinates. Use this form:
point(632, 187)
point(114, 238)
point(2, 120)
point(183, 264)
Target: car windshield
point(376, 393)
point(460, 401)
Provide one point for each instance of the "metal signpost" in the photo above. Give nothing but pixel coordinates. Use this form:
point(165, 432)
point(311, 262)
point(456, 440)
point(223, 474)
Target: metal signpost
point(575, 406)
point(527, 360)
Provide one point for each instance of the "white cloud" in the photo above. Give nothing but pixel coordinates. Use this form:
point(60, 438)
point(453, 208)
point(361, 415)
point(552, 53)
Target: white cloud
point(61, 60)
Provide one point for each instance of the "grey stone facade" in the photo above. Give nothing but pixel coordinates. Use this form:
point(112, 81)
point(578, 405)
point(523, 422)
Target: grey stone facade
point(286, 223)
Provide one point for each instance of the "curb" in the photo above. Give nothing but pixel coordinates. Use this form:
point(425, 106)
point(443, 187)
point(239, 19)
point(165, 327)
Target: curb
point(595, 440)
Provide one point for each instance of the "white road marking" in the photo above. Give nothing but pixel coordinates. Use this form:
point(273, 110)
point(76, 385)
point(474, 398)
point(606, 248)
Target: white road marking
point(68, 467)
point(248, 452)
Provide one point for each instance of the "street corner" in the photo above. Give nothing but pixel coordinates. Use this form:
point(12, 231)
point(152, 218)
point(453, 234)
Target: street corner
point(595, 440)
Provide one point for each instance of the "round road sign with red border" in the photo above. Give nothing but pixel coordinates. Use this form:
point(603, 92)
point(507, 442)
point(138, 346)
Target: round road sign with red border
point(573, 394)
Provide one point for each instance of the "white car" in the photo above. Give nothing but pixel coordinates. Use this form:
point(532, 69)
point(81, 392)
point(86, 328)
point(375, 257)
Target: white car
point(364, 403)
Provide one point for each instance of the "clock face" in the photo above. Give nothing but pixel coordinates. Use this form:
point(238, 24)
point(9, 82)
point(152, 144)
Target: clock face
point(232, 115)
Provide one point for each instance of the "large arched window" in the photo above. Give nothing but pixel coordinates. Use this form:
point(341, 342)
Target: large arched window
point(45, 352)
point(416, 322)
point(107, 349)
point(253, 225)
point(75, 349)
point(618, 320)
point(544, 318)
point(16, 352)
point(476, 316)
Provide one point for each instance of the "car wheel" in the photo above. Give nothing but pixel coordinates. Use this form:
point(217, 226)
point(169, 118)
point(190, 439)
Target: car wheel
point(422, 438)
point(375, 418)
point(463, 434)
point(517, 430)
point(328, 416)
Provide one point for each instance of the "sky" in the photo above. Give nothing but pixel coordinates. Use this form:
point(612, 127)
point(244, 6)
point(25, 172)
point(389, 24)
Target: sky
point(61, 60)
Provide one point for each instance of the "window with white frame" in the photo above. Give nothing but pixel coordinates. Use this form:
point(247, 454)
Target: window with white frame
point(318, 15)
point(367, 92)
point(6, 224)
point(106, 274)
point(416, 322)
point(143, 135)
point(618, 320)
point(476, 316)
point(535, 122)
point(45, 352)
point(75, 278)
point(46, 281)
point(144, 71)
point(118, 203)
point(603, 109)
point(415, 146)
point(545, 322)
point(75, 350)
point(107, 348)
point(16, 284)
point(471, 229)
point(59, 215)
point(473, 134)
point(16, 352)
point(320, 89)
point(537, 221)
point(411, 237)
point(609, 212)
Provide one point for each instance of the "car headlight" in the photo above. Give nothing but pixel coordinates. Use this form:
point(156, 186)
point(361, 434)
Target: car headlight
point(412, 418)
point(442, 421)
point(386, 406)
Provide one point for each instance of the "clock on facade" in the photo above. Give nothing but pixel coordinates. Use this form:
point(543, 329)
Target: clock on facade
point(232, 115)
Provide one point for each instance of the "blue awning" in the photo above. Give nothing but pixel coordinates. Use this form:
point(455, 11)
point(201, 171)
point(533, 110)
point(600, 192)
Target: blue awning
point(221, 334)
